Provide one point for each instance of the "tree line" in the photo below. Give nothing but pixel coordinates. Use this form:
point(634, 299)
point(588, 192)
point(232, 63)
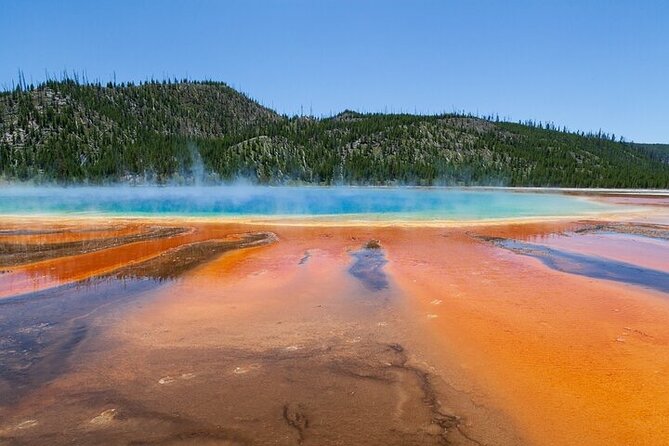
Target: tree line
point(71, 131)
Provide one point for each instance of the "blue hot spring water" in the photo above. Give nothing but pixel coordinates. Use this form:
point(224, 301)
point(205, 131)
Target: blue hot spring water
point(257, 201)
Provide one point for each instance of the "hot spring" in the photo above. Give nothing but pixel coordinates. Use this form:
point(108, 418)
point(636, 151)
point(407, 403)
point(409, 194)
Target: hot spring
point(276, 202)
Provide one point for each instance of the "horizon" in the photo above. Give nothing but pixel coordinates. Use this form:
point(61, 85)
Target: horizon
point(588, 66)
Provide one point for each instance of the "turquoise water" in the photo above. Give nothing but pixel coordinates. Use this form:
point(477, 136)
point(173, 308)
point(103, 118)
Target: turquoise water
point(245, 201)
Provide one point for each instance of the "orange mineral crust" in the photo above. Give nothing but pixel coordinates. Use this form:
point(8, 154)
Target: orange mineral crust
point(240, 333)
point(42, 233)
point(274, 344)
point(81, 258)
point(564, 355)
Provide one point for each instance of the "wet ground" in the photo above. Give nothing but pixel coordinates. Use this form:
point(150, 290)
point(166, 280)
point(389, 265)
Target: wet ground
point(595, 267)
point(176, 332)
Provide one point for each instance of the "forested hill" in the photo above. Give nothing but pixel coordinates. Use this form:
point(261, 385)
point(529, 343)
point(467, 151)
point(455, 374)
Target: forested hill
point(186, 132)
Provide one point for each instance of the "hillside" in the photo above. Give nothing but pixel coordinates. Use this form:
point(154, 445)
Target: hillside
point(658, 152)
point(205, 131)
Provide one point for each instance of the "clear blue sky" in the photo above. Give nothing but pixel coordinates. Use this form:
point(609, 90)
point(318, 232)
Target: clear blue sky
point(586, 64)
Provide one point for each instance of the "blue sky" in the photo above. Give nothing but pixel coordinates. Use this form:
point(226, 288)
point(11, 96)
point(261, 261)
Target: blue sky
point(586, 64)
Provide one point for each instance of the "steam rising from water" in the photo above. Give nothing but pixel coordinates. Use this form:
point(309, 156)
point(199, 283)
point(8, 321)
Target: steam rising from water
point(241, 200)
point(197, 170)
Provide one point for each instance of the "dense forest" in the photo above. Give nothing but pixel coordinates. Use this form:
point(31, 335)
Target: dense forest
point(182, 132)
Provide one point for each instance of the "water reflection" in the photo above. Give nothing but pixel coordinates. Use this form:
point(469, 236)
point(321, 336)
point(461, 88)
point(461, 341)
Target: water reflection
point(368, 266)
point(39, 331)
point(590, 266)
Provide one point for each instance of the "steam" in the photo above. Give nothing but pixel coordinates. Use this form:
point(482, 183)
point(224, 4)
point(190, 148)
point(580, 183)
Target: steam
point(197, 172)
